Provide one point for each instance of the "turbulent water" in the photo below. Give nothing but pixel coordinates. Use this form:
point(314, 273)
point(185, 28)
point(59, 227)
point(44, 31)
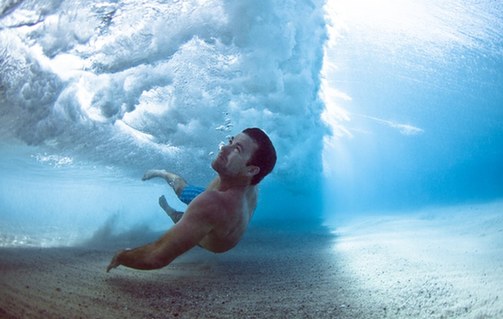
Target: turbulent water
point(370, 107)
point(115, 88)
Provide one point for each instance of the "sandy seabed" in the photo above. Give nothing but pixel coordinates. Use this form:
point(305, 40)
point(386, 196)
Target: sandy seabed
point(438, 263)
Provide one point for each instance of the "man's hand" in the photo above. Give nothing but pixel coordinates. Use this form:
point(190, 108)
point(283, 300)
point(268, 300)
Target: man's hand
point(115, 261)
point(197, 222)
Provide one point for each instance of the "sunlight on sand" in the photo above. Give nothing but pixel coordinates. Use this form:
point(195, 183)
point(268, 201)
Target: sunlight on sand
point(443, 262)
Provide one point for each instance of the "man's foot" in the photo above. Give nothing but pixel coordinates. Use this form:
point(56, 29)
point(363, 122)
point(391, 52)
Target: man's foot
point(175, 181)
point(153, 173)
point(172, 213)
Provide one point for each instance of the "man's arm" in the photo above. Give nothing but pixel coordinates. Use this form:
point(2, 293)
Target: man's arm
point(187, 233)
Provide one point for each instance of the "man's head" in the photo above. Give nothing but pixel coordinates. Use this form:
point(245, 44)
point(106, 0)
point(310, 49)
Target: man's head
point(264, 156)
point(249, 155)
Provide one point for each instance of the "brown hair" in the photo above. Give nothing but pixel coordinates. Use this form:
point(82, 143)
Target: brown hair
point(265, 155)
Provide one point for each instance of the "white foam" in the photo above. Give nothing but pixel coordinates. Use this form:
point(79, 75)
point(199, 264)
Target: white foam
point(182, 74)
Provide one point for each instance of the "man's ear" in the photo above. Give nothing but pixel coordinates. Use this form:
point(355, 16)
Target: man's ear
point(253, 170)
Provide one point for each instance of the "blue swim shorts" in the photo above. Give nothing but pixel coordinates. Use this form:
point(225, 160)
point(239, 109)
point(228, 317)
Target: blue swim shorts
point(190, 192)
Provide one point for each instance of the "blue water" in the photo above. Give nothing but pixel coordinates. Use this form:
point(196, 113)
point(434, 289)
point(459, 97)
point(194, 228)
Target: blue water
point(386, 107)
point(437, 67)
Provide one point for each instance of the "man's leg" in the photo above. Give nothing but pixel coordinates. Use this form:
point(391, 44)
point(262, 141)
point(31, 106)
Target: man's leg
point(172, 213)
point(175, 181)
point(186, 193)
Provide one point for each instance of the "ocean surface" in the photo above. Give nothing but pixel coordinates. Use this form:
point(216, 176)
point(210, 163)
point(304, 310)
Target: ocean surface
point(374, 107)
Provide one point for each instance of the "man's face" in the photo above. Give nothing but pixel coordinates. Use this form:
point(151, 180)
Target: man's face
point(233, 157)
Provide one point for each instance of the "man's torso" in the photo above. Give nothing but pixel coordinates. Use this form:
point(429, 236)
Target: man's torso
point(232, 218)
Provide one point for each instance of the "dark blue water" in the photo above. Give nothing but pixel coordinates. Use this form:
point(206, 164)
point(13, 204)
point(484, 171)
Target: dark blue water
point(386, 107)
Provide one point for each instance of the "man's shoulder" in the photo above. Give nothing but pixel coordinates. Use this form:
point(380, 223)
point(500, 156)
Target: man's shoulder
point(208, 200)
point(216, 199)
point(210, 195)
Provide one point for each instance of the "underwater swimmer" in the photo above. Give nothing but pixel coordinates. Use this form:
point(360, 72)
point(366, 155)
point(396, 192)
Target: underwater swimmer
point(215, 218)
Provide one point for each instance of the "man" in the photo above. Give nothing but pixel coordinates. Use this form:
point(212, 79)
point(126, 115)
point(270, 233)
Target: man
point(217, 218)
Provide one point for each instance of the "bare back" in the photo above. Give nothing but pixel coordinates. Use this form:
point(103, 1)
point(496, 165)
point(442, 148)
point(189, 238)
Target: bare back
point(230, 215)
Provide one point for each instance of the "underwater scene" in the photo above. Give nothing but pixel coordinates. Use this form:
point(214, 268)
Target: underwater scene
point(386, 200)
